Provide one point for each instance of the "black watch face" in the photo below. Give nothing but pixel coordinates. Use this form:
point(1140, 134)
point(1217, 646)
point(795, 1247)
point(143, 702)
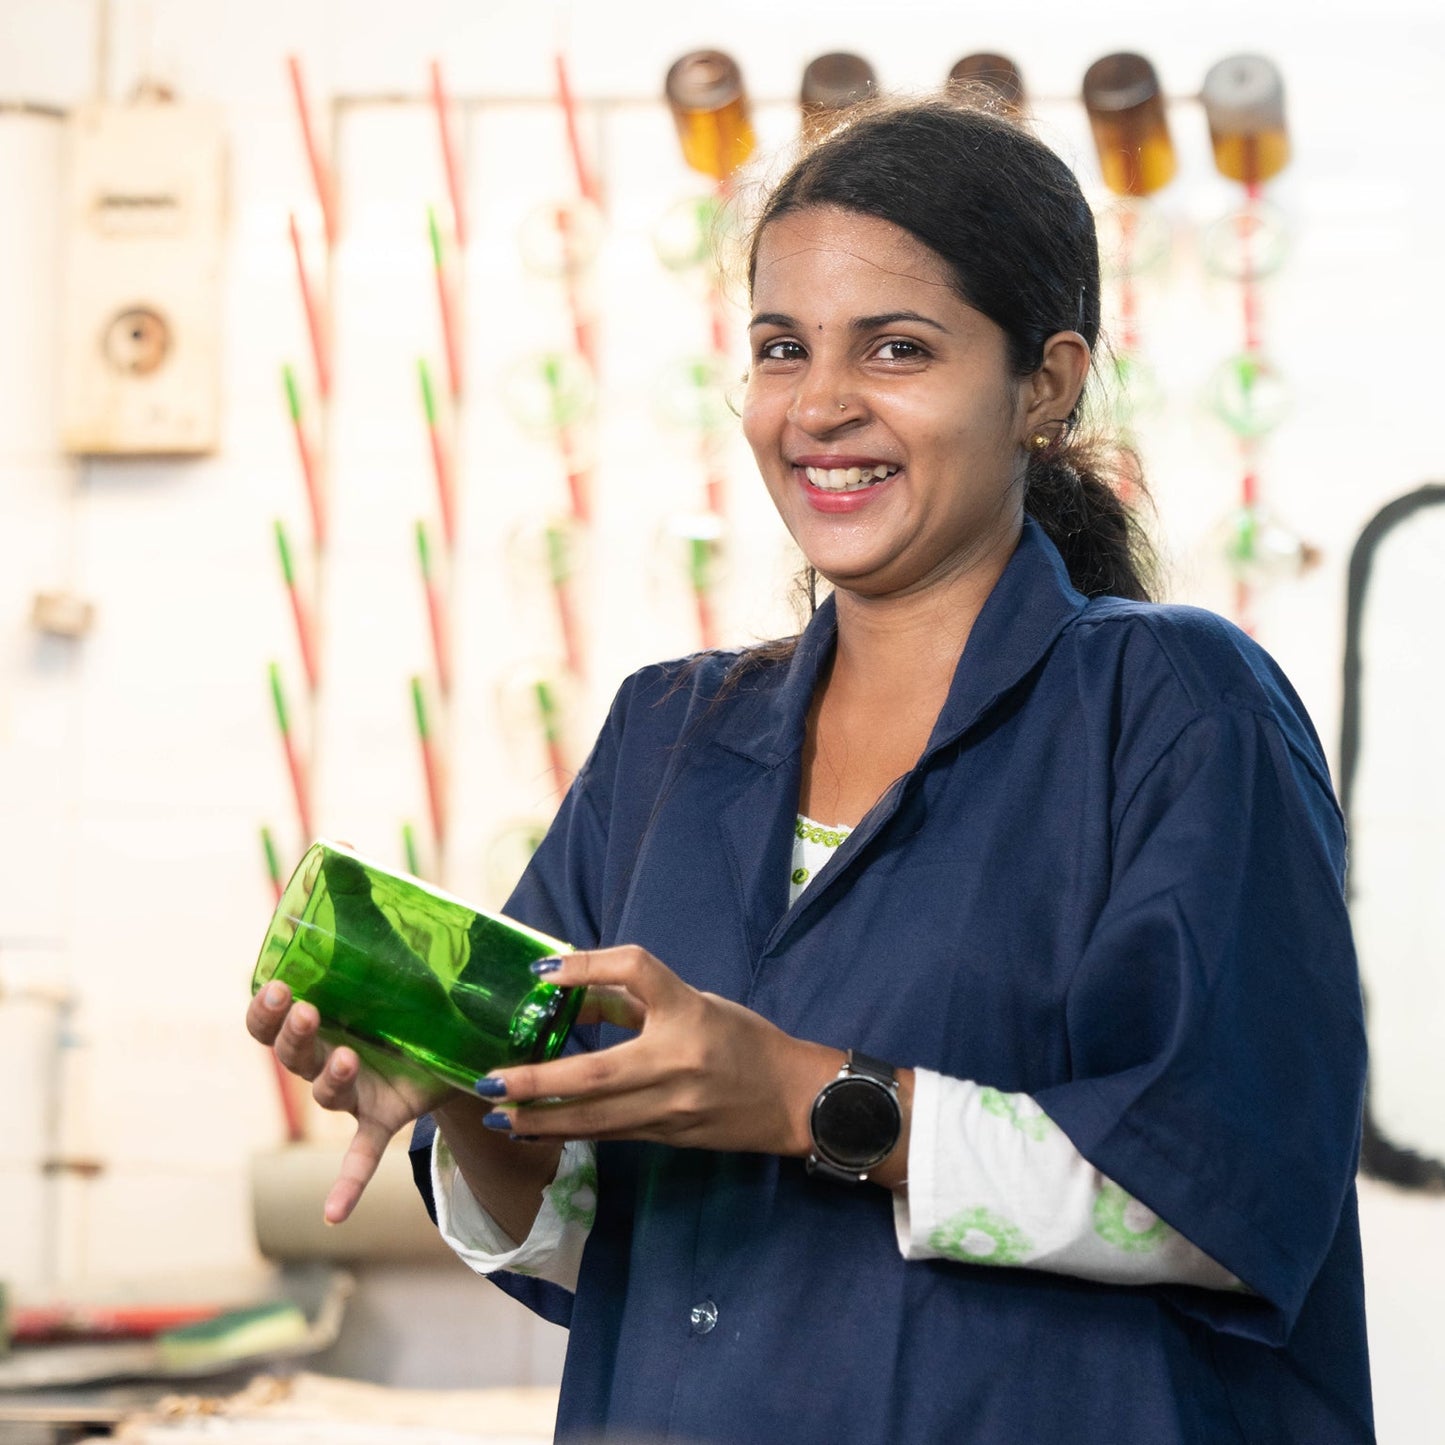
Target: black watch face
point(856, 1123)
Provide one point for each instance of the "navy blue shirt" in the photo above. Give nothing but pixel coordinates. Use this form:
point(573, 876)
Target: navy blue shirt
point(1113, 881)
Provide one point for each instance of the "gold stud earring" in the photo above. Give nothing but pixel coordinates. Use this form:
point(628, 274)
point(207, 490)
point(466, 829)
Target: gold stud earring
point(1039, 442)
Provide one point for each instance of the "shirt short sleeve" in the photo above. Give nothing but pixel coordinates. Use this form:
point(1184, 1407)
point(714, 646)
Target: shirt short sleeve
point(1214, 1021)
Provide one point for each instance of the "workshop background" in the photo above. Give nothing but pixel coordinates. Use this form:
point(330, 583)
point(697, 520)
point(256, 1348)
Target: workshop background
point(365, 386)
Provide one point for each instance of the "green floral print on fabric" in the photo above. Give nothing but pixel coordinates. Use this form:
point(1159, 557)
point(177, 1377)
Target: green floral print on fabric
point(1120, 1220)
point(1019, 1110)
point(980, 1237)
point(812, 833)
point(574, 1195)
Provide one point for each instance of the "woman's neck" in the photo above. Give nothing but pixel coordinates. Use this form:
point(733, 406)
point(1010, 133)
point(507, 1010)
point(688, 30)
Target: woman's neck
point(878, 701)
point(907, 646)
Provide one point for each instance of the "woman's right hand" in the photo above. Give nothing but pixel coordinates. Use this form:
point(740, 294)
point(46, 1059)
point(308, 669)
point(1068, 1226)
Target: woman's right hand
point(381, 1105)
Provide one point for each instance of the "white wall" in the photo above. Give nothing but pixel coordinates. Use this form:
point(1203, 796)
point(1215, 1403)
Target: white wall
point(137, 765)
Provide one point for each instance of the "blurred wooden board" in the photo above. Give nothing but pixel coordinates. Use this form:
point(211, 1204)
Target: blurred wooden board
point(316, 1410)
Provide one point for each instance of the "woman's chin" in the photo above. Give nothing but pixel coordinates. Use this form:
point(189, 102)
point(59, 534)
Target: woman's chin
point(858, 578)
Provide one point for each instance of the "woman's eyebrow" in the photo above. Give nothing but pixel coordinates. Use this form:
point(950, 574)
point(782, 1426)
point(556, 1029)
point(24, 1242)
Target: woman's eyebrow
point(873, 323)
point(859, 323)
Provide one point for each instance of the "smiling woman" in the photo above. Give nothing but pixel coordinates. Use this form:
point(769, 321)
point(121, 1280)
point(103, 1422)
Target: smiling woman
point(1000, 228)
point(1002, 1081)
point(878, 366)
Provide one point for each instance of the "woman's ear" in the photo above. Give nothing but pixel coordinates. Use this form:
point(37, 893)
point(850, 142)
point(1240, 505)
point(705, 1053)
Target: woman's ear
point(1053, 389)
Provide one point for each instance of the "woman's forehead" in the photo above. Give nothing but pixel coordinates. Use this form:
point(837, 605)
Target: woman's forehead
point(830, 244)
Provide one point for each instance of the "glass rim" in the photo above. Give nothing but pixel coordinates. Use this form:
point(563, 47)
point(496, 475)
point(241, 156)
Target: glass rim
point(288, 908)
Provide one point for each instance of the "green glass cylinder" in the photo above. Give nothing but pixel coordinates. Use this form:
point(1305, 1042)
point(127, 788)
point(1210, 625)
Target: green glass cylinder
point(412, 978)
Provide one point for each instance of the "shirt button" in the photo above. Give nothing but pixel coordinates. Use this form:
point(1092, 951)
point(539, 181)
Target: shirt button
point(704, 1317)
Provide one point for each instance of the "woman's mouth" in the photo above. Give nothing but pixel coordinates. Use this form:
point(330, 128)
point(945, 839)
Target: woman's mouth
point(848, 479)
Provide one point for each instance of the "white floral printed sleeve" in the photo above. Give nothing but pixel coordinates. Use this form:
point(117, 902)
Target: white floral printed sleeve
point(992, 1180)
point(553, 1250)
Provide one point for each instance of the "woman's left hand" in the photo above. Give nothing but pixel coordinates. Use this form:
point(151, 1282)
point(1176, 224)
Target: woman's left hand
point(702, 1073)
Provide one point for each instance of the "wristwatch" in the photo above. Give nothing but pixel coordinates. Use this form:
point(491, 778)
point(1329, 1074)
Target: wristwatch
point(856, 1120)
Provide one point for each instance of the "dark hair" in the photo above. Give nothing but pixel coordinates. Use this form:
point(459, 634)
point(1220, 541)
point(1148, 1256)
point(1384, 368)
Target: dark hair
point(1007, 217)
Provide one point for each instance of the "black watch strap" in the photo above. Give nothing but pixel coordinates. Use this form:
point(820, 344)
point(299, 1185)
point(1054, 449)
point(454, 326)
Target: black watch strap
point(861, 1063)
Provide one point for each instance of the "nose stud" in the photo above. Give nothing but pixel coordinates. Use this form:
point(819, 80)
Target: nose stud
point(842, 406)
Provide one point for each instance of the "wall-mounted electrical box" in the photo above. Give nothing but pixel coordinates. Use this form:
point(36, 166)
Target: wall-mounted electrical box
point(144, 232)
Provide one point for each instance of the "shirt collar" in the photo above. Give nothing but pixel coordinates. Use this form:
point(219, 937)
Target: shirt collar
point(1032, 602)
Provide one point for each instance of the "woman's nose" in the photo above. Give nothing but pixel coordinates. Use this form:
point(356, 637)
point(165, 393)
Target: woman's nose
point(823, 401)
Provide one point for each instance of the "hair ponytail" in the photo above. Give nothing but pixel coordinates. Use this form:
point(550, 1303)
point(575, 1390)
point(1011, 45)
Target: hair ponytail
point(1083, 514)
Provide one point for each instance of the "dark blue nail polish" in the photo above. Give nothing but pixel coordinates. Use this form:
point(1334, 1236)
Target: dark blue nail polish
point(498, 1120)
point(490, 1088)
point(546, 965)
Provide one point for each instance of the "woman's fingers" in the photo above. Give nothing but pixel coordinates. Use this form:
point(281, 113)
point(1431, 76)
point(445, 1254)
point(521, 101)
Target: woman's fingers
point(334, 1087)
point(358, 1166)
point(650, 981)
point(298, 1045)
point(599, 1072)
point(625, 986)
point(339, 1082)
point(289, 1028)
point(606, 1005)
point(267, 1012)
point(649, 1113)
point(702, 1072)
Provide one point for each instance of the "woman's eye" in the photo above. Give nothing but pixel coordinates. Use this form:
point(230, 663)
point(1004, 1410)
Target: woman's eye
point(900, 351)
point(779, 351)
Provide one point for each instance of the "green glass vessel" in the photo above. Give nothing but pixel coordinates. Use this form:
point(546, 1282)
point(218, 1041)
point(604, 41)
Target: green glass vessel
point(412, 978)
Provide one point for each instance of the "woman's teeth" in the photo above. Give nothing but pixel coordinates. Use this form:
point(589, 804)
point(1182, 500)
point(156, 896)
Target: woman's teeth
point(847, 479)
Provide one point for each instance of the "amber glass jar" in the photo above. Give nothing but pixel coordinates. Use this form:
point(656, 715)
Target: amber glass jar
point(705, 92)
point(1126, 113)
point(1244, 103)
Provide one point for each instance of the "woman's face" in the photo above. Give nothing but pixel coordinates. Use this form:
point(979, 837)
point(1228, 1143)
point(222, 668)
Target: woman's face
point(881, 408)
